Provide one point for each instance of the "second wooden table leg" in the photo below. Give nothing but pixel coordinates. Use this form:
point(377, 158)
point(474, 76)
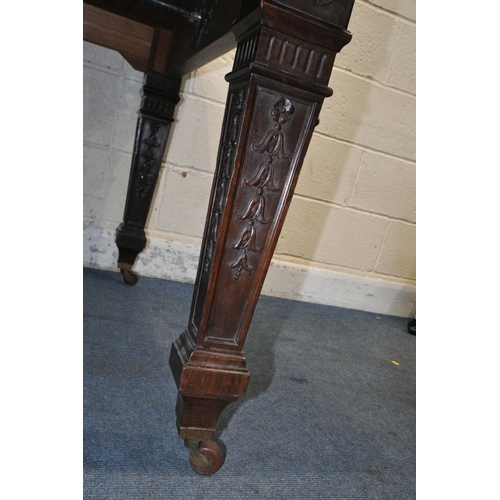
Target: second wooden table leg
point(159, 98)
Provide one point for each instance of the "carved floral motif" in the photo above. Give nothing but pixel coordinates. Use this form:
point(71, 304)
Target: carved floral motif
point(272, 147)
point(147, 169)
point(226, 169)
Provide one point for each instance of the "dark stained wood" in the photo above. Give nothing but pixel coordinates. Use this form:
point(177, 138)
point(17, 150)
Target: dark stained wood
point(280, 77)
point(144, 12)
point(159, 98)
point(333, 12)
point(285, 54)
point(133, 40)
point(160, 49)
point(193, 46)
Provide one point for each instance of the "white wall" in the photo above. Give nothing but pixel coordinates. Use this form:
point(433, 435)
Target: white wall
point(349, 238)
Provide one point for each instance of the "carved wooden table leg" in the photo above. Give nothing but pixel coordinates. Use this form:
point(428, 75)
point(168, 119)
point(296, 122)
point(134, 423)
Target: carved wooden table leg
point(159, 97)
point(279, 80)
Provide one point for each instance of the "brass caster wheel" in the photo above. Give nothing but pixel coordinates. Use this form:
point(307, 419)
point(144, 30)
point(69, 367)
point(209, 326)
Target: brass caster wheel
point(129, 277)
point(205, 458)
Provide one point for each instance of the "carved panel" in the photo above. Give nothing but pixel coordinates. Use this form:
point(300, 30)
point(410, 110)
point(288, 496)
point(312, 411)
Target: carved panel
point(297, 57)
point(146, 163)
point(277, 129)
point(149, 153)
point(246, 50)
point(272, 147)
point(224, 172)
point(159, 97)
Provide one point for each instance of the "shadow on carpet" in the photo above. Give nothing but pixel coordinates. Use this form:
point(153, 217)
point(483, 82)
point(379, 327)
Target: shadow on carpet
point(327, 413)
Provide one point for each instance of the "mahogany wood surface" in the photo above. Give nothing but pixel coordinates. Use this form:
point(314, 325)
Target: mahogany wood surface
point(130, 38)
point(193, 45)
point(285, 54)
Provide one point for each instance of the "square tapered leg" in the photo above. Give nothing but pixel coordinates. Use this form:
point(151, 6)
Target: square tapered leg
point(159, 98)
point(279, 81)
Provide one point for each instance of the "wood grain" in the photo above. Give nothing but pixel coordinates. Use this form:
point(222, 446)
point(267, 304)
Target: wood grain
point(133, 40)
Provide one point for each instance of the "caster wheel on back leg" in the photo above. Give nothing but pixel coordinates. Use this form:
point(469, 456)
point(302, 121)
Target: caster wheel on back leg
point(205, 458)
point(129, 277)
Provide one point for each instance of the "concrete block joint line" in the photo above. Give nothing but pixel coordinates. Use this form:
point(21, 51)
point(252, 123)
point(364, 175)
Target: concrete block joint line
point(352, 223)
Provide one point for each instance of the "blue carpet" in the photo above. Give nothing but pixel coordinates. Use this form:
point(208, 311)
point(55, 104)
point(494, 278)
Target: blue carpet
point(327, 414)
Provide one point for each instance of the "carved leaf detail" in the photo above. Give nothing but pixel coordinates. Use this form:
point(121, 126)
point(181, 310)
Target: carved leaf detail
point(225, 170)
point(149, 154)
point(272, 146)
point(264, 178)
point(152, 141)
point(273, 143)
point(247, 239)
point(255, 210)
point(241, 264)
point(146, 171)
point(283, 110)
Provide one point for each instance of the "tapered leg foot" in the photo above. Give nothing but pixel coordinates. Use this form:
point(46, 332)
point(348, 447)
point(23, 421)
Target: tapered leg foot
point(205, 457)
point(130, 241)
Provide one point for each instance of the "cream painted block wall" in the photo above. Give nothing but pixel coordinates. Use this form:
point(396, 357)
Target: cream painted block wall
point(349, 238)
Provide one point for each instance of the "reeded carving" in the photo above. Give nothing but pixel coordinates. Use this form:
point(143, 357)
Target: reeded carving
point(246, 50)
point(272, 147)
point(158, 104)
point(147, 170)
point(155, 104)
point(291, 55)
point(227, 156)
